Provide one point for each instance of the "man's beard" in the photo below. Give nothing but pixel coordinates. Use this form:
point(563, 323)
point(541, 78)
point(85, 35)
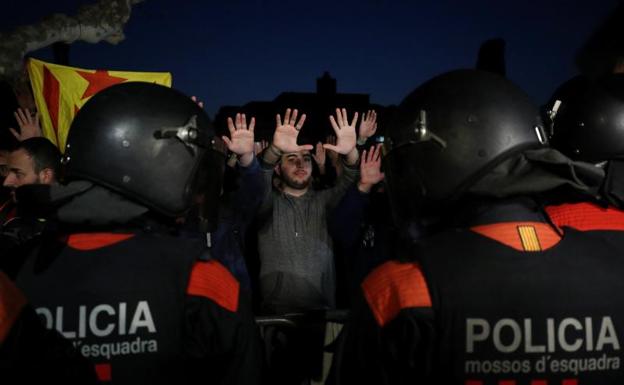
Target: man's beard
point(296, 184)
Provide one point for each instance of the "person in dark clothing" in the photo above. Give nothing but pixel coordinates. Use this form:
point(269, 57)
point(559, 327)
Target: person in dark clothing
point(496, 294)
point(143, 303)
point(236, 212)
point(361, 224)
point(35, 160)
point(238, 203)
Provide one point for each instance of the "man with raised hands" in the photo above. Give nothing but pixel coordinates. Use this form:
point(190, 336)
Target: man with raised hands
point(297, 271)
point(297, 267)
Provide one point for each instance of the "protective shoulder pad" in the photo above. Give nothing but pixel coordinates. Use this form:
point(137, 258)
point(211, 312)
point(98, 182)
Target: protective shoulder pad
point(586, 216)
point(94, 241)
point(394, 286)
point(212, 280)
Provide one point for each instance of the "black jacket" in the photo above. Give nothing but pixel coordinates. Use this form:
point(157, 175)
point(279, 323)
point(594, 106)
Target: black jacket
point(505, 298)
point(135, 299)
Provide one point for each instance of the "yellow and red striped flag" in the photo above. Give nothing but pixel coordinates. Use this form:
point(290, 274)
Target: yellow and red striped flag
point(60, 91)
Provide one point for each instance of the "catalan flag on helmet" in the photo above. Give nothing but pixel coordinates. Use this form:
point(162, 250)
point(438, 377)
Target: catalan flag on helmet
point(60, 91)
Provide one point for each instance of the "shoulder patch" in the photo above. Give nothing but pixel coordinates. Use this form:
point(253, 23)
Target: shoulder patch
point(212, 280)
point(93, 241)
point(394, 286)
point(12, 300)
point(586, 216)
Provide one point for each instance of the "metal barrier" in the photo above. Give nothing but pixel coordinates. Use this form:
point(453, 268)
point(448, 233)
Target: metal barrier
point(309, 317)
point(327, 323)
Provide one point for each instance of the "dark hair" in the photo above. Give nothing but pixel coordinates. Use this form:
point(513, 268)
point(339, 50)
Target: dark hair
point(43, 153)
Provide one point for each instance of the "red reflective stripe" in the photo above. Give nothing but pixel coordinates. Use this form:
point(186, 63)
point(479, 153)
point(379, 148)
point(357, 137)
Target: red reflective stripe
point(11, 303)
point(570, 381)
point(586, 216)
point(213, 281)
point(104, 372)
point(394, 286)
point(507, 382)
point(517, 235)
point(92, 241)
point(539, 382)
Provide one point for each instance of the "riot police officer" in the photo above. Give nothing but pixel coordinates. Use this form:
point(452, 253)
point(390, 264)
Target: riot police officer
point(496, 293)
point(143, 303)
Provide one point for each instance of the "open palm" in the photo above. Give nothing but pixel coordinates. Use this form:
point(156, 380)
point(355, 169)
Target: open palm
point(286, 132)
point(370, 167)
point(241, 140)
point(346, 136)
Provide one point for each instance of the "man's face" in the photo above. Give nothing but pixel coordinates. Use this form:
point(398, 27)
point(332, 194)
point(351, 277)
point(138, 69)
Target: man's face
point(295, 170)
point(22, 171)
point(4, 164)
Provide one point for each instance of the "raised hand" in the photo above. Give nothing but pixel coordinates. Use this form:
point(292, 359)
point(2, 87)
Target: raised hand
point(345, 132)
point(29, 126)
point(368, 125)
point(241, 140)
point(260, 146)
point(287, 131)
point(319, 156)
point(370, 168)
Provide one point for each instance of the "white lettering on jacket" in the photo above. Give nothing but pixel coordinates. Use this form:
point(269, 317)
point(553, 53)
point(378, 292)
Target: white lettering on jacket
point(102, 320)
point(569, 335)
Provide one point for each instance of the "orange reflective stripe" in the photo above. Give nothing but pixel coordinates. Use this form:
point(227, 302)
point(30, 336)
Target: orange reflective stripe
point(92, 241)
point(11, 303)
point(522, 236)
point(586, 216)
point(213, 281)
point(394, 286)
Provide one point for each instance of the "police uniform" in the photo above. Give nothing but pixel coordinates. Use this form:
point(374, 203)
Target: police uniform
point(143, 309)
point(499, 295)
point(505, 301)
point(142, 303)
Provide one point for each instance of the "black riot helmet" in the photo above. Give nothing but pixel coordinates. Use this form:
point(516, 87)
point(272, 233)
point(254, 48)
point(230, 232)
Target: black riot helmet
point(588, 118)
point(450, 132)
point(146, 142)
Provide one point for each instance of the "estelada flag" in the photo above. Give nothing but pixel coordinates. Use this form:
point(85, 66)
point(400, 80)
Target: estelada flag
point(60, 92)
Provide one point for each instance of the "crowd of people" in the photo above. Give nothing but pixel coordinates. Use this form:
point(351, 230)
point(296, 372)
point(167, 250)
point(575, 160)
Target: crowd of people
point(479, 241)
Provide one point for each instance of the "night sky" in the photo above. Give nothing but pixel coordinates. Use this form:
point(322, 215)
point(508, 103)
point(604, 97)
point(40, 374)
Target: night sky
point(233, 52)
